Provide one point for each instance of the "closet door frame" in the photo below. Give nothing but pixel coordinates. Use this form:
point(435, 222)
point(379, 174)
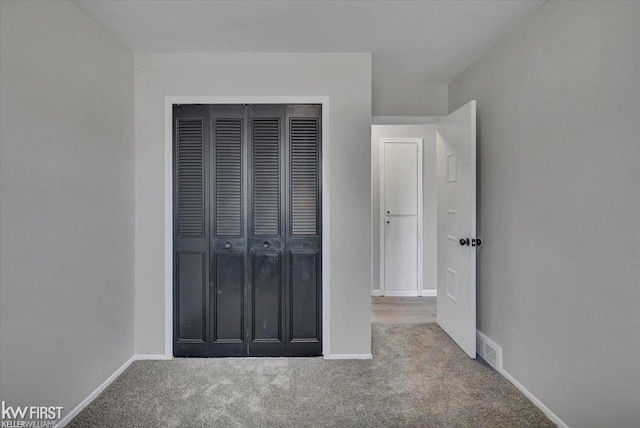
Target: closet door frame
point(170, 101)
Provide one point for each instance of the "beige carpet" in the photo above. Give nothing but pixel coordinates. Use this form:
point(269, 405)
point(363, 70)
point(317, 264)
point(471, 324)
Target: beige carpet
point(418, 378)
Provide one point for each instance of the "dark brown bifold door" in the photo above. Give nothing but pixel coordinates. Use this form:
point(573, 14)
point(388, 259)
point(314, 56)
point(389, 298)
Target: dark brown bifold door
point(304, 234)
point(266, 268)
point(247, 230)
point(228, 300)
point(191, 231)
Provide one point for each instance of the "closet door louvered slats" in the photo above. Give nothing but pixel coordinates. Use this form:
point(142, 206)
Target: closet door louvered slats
point(304, 176)
point(266, 176)
point(190, 179)
point(228, 159)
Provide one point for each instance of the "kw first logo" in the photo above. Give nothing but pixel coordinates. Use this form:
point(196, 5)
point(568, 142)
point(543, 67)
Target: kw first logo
point(38, 416)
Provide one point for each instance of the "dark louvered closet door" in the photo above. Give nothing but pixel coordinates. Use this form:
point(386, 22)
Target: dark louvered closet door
point(191, 231)
point(304, 235)
point(229, 319)
point(247, 236)
point(266, 231)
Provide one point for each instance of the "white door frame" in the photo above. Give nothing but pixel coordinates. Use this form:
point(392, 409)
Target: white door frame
point(419, 143)
point(169, 101)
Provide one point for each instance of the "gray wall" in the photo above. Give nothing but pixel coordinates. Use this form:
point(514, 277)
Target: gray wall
point(346, 80)
point(410, 100)
point(429, 197)
point(67, 204)
point(559, 195)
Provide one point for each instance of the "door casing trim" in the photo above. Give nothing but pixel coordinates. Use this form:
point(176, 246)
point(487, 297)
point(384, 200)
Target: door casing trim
point(169, 102)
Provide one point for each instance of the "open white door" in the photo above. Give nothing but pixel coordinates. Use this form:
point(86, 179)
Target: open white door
point(456, 142)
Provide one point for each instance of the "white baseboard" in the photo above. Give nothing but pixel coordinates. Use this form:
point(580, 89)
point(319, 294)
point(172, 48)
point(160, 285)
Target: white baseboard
point(429, 293)
point(376, 293)
point(348, 357)
point(554, 418)
point(491, 352)
point(73, 413)
point(141, 357)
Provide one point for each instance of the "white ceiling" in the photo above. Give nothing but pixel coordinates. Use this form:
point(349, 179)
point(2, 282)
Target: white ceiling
point(413, 42)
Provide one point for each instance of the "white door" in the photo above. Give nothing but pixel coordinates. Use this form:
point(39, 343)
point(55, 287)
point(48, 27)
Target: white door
point(456, 303)
point(402, 187)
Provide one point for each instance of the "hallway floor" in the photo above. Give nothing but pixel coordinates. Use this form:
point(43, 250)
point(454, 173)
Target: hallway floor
point(403, 310)
point(417, 378)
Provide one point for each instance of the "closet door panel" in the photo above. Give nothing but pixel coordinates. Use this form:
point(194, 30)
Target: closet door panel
point(304, 234)
point(267, 307)
point(304, 296)
point(266, 239)
point(229, 309)
point(228, 241)
point(190, 297)
point(190, 231)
